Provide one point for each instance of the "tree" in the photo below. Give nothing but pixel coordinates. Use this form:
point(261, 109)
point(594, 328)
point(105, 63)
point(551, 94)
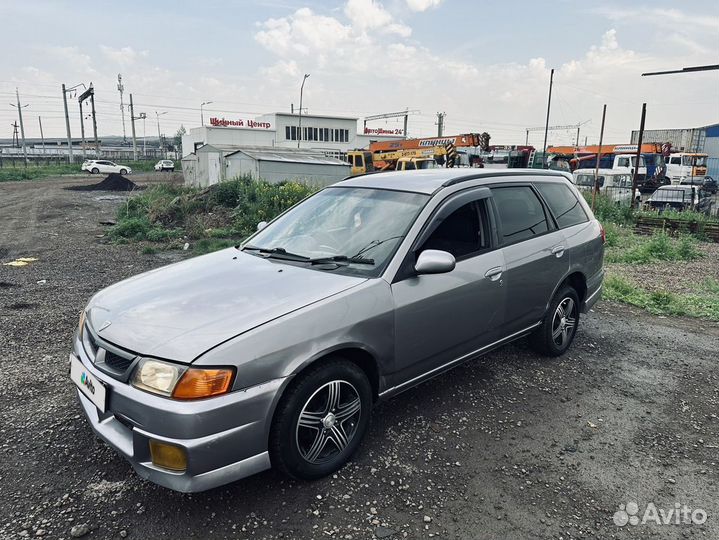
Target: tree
point(178, 137)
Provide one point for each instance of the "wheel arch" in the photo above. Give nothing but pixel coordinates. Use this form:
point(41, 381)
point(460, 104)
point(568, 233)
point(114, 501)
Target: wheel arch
point(578, 281)
point(355, 353)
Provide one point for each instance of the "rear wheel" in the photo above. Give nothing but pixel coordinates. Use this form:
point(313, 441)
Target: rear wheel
point(321, 420)
point(557, 331)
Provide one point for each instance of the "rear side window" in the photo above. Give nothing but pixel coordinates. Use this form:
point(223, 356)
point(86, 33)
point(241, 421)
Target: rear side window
point(564, 205)
point(520, 213)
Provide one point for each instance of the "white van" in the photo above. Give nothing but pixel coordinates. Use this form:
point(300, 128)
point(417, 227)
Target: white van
point(617, 185)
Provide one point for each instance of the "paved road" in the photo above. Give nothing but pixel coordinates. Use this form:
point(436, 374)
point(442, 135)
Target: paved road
point(508, 446)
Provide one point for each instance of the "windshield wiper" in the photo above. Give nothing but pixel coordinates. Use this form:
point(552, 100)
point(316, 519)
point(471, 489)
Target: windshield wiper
point(374, 244)
point(341, 259)
point(277, 253)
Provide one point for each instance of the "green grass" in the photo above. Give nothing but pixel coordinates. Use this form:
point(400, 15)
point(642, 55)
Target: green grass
point(626, 247)
point(703, 304)
point(211, 219)
point(8, 173)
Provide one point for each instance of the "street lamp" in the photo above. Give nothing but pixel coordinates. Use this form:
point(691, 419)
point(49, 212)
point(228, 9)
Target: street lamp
point(159, 137)
point(299, 129)
point(202, 116)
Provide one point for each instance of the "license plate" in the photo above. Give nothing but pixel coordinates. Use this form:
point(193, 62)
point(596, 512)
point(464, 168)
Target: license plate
point(88, 384)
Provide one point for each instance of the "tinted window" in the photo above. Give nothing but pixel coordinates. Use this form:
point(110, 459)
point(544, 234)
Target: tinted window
point(462, 232)
point(563, 204)
point(520, 213)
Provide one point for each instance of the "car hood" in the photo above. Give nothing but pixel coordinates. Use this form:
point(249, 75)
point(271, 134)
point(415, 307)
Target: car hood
point(180, 311)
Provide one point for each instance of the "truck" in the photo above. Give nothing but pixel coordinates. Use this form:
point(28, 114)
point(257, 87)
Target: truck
point(687, 167)
point(410, 153)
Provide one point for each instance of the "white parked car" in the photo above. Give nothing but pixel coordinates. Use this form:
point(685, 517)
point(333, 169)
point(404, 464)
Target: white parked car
point(97, 166)
point(165, 165)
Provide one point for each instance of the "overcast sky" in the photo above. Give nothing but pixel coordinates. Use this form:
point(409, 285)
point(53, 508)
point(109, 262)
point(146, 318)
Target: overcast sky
point(486, 64)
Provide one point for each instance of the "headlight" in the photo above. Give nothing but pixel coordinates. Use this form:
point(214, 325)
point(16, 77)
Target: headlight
point(181, 382)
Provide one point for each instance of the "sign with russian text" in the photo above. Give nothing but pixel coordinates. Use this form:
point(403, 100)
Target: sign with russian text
point(382, 131)
point(243, 123)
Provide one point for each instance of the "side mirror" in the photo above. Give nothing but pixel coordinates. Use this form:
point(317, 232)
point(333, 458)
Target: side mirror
point(433, 261)
point(261, 225)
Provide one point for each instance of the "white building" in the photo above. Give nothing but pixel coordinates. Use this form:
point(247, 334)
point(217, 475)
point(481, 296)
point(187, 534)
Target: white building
point(332, 135)
point(211, 164)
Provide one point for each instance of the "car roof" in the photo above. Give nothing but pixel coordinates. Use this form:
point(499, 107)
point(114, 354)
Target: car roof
point(429, 181)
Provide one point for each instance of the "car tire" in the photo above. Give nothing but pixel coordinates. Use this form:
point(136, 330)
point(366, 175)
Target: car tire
point(95, 170)
point(556, 333)
point(334, 401)
point(123, 172)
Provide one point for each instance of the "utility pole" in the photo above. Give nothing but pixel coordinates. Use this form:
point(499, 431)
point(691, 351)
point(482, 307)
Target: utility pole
point(159, 137)
point(546, 124)
point(42, 137)
point(94, 120)
point(638, 156)
point(599, 157)
point(15, 135)
point(299, 129)
point(22, 126)
point(578, 135)
point(526, 139)
point(132, 121)
point(67, 118)
point(144, 135)
point(440, 123)
point(82, 132)
point(202, 116)
point(67, 124)
point(121, 89)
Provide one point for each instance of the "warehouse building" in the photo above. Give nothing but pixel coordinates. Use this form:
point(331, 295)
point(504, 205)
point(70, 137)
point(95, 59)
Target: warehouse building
point(704, 139)
point(211, 164)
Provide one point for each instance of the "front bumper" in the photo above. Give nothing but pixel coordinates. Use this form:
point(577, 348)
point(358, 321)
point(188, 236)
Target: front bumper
point(225, 438)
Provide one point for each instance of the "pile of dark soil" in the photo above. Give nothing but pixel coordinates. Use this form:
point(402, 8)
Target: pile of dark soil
point(113, 182)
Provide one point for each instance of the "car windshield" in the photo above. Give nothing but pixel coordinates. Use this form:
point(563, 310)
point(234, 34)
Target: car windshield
point(356, 230)
point(587, 180)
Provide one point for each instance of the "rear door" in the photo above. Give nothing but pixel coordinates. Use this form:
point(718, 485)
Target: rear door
point(534, 254)
point(441, 317)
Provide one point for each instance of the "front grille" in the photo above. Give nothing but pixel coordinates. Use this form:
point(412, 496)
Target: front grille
point(107, 357)
point(116, 362)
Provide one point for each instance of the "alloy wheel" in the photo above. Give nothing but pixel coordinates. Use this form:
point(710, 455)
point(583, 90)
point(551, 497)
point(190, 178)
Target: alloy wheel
point(328, 421)
point(564, 322)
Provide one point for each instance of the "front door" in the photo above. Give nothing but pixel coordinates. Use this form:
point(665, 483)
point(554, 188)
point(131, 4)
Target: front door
point(441, 317)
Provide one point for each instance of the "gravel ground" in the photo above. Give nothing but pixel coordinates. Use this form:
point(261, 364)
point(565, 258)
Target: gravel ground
point(508, 446)
point(678, 277)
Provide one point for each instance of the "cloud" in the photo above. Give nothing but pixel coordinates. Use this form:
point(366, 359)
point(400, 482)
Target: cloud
point(124, 56)
point(71, 58)
point(422, 5)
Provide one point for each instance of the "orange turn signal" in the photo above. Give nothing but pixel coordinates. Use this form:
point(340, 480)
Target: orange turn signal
point(201, 383)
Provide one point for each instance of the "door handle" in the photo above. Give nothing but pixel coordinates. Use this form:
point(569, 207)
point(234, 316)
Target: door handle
point(494, 273)
point(558, 251)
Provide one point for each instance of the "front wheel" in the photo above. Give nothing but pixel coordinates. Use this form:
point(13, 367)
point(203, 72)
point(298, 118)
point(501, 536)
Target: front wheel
point(95, 170)
point(557, 331)
point(123, 172)
point(321, 420)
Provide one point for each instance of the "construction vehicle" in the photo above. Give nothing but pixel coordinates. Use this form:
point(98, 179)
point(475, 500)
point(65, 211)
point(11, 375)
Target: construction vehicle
point(364, 161)
point(413, 153)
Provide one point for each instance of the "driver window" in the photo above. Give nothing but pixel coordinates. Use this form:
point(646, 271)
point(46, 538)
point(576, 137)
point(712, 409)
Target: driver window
point(462, 233)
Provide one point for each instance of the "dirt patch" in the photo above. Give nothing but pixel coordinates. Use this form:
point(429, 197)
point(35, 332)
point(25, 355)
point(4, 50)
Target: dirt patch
point(679, 277)
point(20, 305)
point(113, 182)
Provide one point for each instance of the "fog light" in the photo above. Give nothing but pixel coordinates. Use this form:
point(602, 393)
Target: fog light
point(168, 456)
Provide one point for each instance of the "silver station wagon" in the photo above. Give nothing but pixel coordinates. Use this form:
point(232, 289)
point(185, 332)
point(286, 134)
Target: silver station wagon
point(273, 353)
